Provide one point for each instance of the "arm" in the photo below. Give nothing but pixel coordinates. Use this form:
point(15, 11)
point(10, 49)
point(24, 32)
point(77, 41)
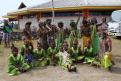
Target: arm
point(109, 44)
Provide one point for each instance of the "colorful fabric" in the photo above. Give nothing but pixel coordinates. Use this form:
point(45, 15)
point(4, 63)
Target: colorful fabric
point(76, 54)
point(89, 57)
point(28, 58)
point(39, 53)
point(41, 58)
point(95, 40)
point(106, 62)
point(22, 50)
point(59, 38)
point(16, 65)
point(52, 54)
point(7, 29)
point(84, 39)
point(74, 34)
point(64, 60)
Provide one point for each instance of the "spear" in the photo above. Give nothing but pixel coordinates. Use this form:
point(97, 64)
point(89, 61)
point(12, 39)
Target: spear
point(53, 12)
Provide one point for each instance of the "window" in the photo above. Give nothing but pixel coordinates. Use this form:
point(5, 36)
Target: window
point(100, 13)
point(60, 14)
point(28, 16)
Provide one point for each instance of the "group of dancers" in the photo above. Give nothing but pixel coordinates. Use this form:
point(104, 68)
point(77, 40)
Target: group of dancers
point(65, 47)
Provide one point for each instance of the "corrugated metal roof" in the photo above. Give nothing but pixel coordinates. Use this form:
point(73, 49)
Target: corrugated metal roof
point(76, 3)
point(70, 4)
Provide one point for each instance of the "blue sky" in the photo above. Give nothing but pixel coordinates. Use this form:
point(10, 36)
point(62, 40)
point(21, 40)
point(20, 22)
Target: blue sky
point(9, 5)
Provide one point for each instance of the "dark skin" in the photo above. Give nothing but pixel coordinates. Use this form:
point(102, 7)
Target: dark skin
point(52, 45)
point(15, 51)
point(15, 54)
point(104, 20)
point(39, 46)
point(5, 22)
point(75, 45)
point(60, 25)
point(65, 46)
point(108, 42)
point(52, 55)
point(85, 29)
point(87, 45)
point(27, 31)
point(41, 29)
point(7, 44)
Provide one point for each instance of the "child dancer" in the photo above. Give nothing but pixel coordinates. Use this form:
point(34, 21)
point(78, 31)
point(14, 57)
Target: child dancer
point(16, 64)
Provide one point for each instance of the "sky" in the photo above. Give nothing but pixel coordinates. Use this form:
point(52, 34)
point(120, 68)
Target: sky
point(10, 5)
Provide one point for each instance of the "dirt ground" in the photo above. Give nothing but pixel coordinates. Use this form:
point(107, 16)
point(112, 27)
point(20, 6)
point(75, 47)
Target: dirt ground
point(50, 73)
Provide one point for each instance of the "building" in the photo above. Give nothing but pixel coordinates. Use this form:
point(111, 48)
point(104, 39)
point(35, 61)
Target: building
point(65, 10)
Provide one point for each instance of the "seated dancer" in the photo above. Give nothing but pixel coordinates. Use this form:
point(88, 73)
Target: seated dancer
point(16, 64)
point(105, 49)
point(27, 44)
point(75, 51)
point(40, 56)
point(28, 56)
point(88, 52)
point(64, 58)
point(52, 51)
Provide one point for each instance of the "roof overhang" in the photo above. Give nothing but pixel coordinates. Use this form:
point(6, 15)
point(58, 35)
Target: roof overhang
point(29, 10)
point(76, 8)
point(17, 12)
point(11, 17)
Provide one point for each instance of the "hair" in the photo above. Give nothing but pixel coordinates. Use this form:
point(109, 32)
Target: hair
point(28, 23)
point(72, 23)
point(60, 22)
point(14, 49)
point(84, 22)
point(75, 41)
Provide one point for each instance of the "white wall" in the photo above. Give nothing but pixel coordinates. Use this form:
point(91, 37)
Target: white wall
point(65, 20)
point(22, 22)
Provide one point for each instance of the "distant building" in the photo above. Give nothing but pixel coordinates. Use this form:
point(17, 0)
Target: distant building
point(65, 10)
